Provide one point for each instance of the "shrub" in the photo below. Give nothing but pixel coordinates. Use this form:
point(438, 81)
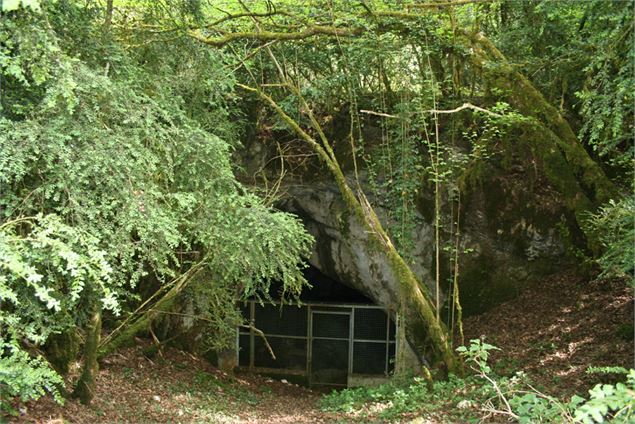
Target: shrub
point(615, 225)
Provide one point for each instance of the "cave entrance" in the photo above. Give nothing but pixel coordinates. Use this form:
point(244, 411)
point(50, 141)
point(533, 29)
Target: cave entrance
point(335, 337)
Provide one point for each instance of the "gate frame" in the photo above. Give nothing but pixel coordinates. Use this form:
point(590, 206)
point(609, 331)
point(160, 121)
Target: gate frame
point(347, 309)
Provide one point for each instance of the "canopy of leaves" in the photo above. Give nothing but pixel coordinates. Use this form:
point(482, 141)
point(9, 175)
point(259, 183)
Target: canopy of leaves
point(580, 54)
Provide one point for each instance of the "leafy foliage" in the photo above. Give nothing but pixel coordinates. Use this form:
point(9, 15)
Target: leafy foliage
point(479, 397)
point(454, 399)
point(614, 225)
point(9, 5)
point(477, 353)
point(607, 95)
point(594, 89)
point(46, 270)
point(44, 273)
point(616, 401)
point(108, 178)
point(25, 377)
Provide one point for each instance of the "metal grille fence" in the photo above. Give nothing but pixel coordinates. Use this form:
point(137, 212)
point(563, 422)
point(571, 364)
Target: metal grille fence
point(324, 343)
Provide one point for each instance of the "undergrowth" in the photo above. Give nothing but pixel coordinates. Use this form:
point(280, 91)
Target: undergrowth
point(453, 398)
point(484, 396)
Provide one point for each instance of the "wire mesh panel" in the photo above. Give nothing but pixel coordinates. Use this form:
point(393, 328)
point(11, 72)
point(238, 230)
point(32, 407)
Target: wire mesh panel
point(370, 324)
point(330, 324)
point(286, 320)
point(369, 358)
point(243, 350)
point(291, 354)
point(331, 308)
point(329, 362)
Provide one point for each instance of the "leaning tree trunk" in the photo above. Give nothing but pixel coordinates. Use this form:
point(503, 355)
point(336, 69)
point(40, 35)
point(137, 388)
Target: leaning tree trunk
point(138, 323)
point(424, 331)
point(567, 165)
point(141, 319)
point(85, 388)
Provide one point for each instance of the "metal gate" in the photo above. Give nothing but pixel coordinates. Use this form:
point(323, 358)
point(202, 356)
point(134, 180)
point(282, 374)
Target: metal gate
point(329, 354)
point(322, 343)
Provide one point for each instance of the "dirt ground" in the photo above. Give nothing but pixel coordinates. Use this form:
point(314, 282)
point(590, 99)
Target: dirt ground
point(180, 388)
point(559, 327)
point(553, 331)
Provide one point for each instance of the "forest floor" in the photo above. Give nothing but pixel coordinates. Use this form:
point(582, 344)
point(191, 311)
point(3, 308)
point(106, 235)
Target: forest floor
point(553, 331)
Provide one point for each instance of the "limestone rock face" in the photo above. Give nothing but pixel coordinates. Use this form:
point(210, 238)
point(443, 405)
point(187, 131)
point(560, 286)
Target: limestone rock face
point(341, 251)
point(514, 223)
point(506, 246)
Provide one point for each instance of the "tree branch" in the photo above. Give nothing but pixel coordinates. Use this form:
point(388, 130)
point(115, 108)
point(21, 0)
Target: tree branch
point(465, 106)
point(202, 318)
point(270, 35)
point(230, 16)
point(305, 136)
point(262, 335)
point(447, 111)
point(449, 3)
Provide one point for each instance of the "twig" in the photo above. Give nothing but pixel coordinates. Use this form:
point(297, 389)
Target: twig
point(264, 338)
point(493, 411)
point(16, 220)
point(251, 54)
point(269, 35)
point(466, 106)
point(385, 115)
point(156, 341)
point(137, 312)
point(500, 394)
point(445, 4)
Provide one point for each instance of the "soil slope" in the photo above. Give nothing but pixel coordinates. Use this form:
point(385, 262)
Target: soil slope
point(559, 327)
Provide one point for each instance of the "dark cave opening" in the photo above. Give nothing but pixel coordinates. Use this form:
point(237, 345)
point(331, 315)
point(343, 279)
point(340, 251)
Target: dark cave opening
point(335, 337)
point(325, 289)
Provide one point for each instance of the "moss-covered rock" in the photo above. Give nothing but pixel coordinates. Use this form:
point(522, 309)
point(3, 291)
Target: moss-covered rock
point(62, 350)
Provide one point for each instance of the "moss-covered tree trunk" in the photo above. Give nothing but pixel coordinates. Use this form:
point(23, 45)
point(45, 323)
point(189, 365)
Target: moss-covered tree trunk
point(566, 163)
point(85, 388)
point(139, 323)
point(141, 319)
point(424, 331)
point(62, 349)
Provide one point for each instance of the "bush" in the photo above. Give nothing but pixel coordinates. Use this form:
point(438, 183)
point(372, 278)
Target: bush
point(484, 395)
point(613, 401)
point(24, 377)
point(615, 225)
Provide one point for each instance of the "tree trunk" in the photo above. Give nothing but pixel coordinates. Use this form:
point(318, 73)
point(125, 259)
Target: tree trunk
point(62, 349)
point(85, 388)
point(530, 102)
point(138, 324)
point(108, 15)
point(425, 333)
point(567, 165)
point(140, 321)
